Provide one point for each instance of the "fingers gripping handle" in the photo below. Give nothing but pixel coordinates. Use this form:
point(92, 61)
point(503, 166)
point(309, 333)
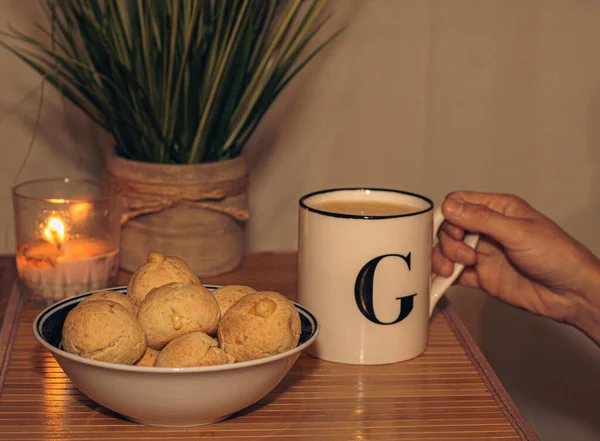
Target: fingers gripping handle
point(441, 284)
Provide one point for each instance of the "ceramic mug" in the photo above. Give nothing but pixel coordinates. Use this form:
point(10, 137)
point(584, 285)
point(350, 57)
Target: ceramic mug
point(367, 278)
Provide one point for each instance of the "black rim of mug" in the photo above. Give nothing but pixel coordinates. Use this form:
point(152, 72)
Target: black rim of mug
point(303, 204)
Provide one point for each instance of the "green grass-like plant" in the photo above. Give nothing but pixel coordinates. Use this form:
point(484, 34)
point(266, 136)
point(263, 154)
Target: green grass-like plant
point(173, 81)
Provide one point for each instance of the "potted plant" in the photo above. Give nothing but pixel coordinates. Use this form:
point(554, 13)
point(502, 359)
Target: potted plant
point(180, 85)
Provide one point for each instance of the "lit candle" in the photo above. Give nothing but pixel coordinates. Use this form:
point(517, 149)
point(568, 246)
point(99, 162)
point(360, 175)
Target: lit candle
point(65, 246)
point(62, 266)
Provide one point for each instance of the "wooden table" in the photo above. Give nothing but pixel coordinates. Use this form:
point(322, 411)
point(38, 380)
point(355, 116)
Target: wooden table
point(448, 393)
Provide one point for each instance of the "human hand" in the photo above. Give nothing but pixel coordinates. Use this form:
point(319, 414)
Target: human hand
point(522, 258)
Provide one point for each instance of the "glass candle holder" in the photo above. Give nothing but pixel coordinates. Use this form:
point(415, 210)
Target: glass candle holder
point(67, 236)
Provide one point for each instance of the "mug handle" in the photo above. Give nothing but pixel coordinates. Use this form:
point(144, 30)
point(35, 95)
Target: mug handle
point(440, 284)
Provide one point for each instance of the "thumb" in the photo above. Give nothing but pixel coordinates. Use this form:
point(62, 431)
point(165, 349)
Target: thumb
point(479, 218)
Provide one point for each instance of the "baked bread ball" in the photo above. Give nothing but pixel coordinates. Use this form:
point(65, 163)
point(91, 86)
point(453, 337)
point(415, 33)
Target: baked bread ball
point(258, 325)
point(148, 358)
point(112, 296)
point(158, 271)
point(229, 294)
point(176, 309)
point(104, 331)
point(195, 349)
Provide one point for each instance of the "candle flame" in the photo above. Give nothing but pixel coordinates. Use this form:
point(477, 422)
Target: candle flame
point(55, 231)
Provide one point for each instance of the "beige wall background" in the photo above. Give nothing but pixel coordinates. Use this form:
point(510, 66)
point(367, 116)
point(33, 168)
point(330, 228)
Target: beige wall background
point(425, 95)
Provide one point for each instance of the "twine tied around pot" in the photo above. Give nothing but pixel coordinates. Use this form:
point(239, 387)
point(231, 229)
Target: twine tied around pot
point(142, 198)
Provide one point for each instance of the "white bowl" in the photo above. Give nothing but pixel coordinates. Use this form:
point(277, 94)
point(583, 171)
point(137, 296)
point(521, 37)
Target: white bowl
point(169, 397)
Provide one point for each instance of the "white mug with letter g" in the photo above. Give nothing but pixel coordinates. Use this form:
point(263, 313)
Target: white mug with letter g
point(364, 270)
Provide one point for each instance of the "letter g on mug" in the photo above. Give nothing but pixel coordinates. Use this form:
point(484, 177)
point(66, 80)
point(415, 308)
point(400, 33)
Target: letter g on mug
point(363, 291)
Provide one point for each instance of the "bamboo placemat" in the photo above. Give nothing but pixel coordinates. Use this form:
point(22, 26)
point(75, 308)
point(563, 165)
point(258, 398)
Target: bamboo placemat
point(449, 393)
